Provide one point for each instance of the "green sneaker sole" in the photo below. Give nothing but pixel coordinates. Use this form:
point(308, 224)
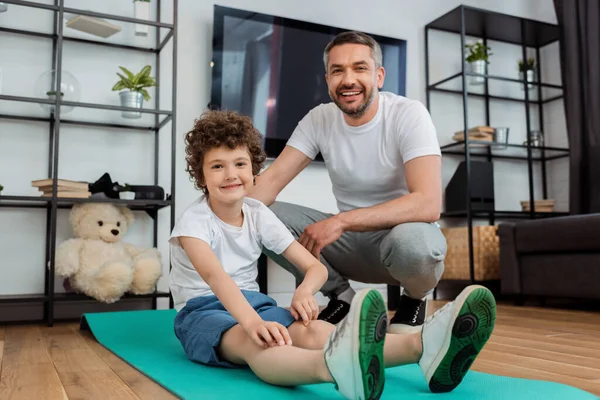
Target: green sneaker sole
point(471, 330)
point(372, 331)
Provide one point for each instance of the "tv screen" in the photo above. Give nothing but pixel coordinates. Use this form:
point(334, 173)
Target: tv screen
point(271, 69)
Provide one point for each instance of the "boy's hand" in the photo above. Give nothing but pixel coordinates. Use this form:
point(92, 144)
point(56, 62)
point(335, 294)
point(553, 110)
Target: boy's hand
point(304, 305)
point(268, 334)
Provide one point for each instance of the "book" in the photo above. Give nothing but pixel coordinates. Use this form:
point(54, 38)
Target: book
point(63, 183)
point(79, 195)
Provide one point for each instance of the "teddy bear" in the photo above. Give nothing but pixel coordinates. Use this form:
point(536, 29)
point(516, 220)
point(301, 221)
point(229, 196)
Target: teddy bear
point(97, 263)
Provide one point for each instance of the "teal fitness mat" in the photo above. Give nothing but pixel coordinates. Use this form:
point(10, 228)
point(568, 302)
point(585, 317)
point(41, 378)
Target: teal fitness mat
point(145, 340)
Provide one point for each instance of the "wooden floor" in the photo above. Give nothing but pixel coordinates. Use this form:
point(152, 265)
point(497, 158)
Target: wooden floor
point(38, 362)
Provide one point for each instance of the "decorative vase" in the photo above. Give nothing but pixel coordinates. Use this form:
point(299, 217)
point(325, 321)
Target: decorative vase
point(3, 7)
point(133, 100)
point(127, 195)
point(141, 10)
point(530, 78)
point(478, 67)
point(45, 88)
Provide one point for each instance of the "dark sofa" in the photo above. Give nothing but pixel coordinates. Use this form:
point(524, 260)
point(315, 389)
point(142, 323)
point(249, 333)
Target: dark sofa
point(553, 257)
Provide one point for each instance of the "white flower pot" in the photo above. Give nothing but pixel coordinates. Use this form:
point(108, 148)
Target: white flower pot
point(530, 78)
point(127, 195)
point(141, 10)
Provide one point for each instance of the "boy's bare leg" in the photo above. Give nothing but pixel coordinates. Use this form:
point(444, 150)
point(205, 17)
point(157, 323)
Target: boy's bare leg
point(399, 349)
point(279, 365)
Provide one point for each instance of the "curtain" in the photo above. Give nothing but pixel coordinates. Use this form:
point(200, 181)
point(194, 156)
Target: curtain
point(579, 42)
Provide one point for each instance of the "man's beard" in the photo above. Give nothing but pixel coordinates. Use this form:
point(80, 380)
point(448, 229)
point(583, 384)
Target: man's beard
point(358, 111)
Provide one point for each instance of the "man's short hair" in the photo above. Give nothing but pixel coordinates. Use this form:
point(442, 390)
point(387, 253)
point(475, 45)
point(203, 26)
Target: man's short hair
point(355, 37)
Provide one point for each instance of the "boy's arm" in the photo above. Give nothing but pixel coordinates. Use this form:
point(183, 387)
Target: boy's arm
point(208, 266)
point(315, 275)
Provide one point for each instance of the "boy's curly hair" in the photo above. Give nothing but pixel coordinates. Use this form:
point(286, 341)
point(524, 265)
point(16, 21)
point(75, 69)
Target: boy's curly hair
point(217, 128)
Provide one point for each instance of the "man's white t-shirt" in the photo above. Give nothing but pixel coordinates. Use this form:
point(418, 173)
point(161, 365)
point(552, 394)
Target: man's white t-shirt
point(366, 163)
point(237, 248)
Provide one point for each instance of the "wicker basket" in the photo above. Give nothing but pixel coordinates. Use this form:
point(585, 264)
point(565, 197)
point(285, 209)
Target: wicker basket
point(486, 255)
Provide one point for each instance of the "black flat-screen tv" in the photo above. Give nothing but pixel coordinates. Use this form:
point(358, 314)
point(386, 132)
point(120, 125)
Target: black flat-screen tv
point(271, 69)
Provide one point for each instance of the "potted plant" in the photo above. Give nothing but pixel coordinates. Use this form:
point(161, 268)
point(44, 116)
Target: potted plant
point(141, 10)
point(478, 60)
point(1, 188)
point(126, 193)
point(137, 93)
point(527, 70)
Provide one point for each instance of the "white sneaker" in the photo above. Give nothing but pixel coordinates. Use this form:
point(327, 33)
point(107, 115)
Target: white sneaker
point(354, 350)
point(453, 337)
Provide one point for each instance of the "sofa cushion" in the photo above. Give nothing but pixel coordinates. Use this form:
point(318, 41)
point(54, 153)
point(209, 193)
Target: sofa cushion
point(574, 233)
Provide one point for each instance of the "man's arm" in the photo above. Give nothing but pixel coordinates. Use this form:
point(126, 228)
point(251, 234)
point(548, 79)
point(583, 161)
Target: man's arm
point(422, 204)
point(272, 181)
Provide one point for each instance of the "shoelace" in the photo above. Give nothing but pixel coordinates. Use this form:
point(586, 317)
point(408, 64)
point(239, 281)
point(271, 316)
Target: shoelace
point(336, 310)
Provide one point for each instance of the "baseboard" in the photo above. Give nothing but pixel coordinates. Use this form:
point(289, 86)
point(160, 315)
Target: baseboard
point(66, 310)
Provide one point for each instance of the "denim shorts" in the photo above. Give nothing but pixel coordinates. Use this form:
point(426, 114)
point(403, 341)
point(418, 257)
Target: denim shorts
point(200, 325)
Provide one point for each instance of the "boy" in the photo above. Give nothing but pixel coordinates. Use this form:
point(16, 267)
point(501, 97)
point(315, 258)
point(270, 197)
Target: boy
point(223, 319)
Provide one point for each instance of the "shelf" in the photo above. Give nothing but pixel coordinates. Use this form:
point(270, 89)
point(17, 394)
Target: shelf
point(43, 116)
point(38, 298)
point(482, 148)
point(44, 202)
point(503, 214)
point(496, 26)
point(89, 13)
point(84, 105)
point(79, 296)
point(22, 298)
point(89, 41)
point(499, 88)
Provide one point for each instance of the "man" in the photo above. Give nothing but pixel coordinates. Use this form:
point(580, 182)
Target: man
point(384, 161)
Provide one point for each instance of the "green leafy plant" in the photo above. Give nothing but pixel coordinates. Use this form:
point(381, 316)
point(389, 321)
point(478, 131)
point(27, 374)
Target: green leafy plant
point(478, 51)
point(126, 188)
point(1, 187)
point(135, 83)
point(528, 65)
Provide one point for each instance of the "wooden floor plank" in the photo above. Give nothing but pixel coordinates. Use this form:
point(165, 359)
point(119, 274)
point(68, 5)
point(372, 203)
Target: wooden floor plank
point(564, 346)
point(143, 386)
point(82, 372)
point(1, 346)
point(30, 381)
point(484, 364)
point(591, 364)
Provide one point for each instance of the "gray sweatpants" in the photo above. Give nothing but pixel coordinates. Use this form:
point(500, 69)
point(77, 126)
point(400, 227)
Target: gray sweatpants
point(410, 255)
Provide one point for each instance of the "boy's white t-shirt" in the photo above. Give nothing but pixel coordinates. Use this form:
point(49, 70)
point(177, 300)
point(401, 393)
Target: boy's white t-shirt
point(237, 248)
point(366, 163)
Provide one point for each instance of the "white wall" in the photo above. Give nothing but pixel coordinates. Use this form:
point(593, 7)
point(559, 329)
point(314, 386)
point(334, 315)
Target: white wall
point(22, 59)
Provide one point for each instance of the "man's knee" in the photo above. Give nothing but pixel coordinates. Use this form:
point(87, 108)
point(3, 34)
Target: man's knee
point(414, 249)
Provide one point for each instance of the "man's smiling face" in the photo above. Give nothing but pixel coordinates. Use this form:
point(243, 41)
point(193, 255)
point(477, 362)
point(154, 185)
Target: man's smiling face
point(353, 78)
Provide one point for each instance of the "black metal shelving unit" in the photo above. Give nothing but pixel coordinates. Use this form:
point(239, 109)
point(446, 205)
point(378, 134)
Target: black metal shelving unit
point(487, 25)
point(52, 204)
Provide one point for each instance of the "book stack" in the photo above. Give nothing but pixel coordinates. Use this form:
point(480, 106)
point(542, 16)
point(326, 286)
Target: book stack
point(476, 133)
point(546, 205)
point(65, 188)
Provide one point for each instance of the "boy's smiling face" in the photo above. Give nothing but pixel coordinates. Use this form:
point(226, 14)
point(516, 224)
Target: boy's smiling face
point(228, 173)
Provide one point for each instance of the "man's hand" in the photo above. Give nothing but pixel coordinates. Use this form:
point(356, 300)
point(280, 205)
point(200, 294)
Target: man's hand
point(320, 234)
point(268, 334)
point(304, 305)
